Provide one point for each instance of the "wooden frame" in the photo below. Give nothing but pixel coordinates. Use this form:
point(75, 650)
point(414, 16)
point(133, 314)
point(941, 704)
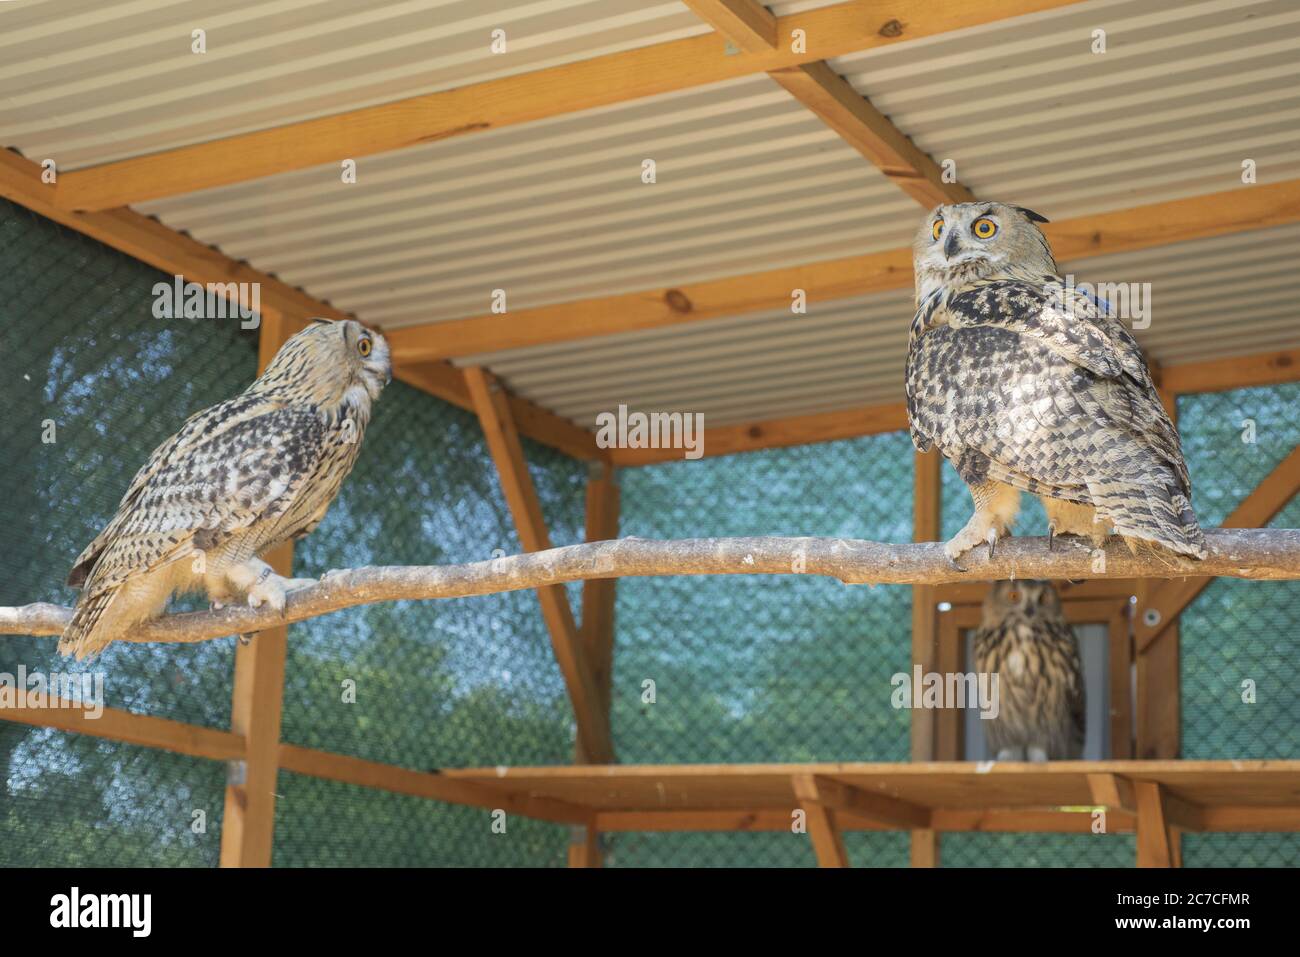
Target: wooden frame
point(1157, 799)
point(521, 98)
point(752, 27)
point(151, 242)
point(503, 442)
point(1126, 230)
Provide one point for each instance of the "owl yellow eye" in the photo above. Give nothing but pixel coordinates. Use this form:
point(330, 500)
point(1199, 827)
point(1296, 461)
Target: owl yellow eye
point(1013, 596)
point(984, 228)
point(937, 228)
point(364, 347)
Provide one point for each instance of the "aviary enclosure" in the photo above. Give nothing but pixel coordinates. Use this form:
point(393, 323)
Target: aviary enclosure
point(564, 212)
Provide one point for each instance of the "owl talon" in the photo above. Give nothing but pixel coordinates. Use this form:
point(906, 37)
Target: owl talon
point(1051, 538)
point(269, 591)
point(992, 539)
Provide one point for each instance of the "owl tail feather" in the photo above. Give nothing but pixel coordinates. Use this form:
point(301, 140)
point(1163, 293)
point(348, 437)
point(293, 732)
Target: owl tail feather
point(1154, 510)
point(80, 637)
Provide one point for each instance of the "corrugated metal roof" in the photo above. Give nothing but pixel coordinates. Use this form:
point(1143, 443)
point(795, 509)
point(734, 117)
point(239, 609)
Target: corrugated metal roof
point(1184, 92)
point(91, 81)
point(1209, 298)
point(747, 179)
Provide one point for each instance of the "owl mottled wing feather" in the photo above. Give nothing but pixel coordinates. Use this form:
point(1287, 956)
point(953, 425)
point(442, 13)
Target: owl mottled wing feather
point(230, 467)
point(1013, 387)
point(1073, 327)
point(1067, 323)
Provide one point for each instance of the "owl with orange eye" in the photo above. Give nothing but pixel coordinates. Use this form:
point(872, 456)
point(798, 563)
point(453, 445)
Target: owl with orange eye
point(1027, 384)
point(236, 480)
point(1025, 640)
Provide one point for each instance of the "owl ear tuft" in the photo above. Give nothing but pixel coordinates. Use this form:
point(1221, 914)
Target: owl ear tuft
point(1032, 216)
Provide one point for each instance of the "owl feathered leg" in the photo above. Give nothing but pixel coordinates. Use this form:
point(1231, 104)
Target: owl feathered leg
point(996, 506)
point(256, 579)
point(1072, 518)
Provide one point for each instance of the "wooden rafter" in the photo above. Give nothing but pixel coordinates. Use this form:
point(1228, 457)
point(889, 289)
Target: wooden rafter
point(163, 248)
point(746, 23)
point(503, 442)
point(447, 382)
point(1218, 375)
point(1141, 227)
point(751, 26)
point(850, 114)
point(662, 68)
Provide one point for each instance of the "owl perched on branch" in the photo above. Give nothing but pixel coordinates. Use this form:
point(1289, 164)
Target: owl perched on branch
point(1025, 640)
point(1026, 384)
point(238, 479)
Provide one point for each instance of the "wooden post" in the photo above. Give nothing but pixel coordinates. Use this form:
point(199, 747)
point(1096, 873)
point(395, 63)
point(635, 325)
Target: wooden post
point(248, 822)
point(950, 724)
point(584, 846)
point(822, 828)
point(493, 408)
point(925, 528)
point(1157, 841)
point(1120, 643)
point(1158, 719)
point(598, 594)
point(597, 630)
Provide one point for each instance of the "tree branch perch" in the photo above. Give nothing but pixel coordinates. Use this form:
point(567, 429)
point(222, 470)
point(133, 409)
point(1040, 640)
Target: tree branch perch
point(1236, 553)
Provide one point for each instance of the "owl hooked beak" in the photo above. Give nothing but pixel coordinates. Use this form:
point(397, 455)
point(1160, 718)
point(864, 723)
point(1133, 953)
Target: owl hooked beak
point(953, 244)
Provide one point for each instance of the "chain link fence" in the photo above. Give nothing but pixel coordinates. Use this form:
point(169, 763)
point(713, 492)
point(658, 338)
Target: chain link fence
point(92, 383)
point(765, 668)
point(425, 685)
point(1237, 640)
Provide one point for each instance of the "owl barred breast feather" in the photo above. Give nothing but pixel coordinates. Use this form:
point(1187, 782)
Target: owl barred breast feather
point(1025, 640)
point(238, 479)
point(1026, 384)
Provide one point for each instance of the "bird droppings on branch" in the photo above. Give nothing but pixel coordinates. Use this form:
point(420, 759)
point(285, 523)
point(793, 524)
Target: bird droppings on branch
point(1234, 553)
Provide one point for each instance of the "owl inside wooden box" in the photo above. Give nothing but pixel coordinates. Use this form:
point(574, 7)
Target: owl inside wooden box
point(1025, 640)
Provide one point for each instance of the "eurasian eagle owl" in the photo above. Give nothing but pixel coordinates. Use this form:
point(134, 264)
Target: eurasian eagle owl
point(1025, 640)
point(238, 479)
point(1026, 384)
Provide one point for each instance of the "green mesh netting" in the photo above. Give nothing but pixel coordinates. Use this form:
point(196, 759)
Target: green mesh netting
point(744, 668)
point(470, 682)
point(1240, 631)
point(91, 383)
point(436, 684)
point(325, 823)
point(763, 668)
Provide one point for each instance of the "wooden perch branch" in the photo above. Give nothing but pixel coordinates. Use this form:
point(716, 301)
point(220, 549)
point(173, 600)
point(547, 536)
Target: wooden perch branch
point(1237, 553)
